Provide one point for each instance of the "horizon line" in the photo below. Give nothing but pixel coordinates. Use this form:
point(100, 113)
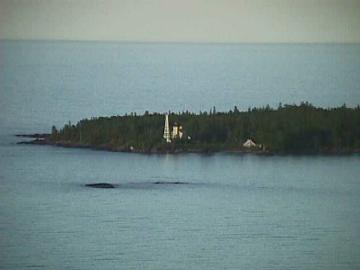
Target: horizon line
point(185, 42)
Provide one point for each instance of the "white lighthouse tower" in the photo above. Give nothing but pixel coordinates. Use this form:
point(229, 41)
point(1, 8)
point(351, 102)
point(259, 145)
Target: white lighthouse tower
point(166, 129)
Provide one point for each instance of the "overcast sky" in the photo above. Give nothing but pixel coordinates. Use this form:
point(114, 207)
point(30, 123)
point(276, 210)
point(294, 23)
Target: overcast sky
point(182, 20)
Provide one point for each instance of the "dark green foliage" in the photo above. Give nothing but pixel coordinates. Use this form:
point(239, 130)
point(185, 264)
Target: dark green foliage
point(289, 128)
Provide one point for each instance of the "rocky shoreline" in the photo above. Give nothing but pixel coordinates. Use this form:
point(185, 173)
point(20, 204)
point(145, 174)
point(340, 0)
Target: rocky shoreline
point(43, 139)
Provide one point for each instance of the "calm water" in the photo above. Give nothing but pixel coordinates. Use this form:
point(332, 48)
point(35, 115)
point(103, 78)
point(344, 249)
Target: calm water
point(237, 212)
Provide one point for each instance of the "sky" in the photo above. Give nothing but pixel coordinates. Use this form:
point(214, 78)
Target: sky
point(182, 20)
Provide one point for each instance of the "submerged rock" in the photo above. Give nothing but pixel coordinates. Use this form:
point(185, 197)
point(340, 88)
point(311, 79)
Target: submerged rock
point(101, 185)
point(169, 183)
point(135, 185)
point(35, 136)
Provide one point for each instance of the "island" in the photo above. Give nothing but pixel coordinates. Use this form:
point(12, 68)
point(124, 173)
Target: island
point(287, 129)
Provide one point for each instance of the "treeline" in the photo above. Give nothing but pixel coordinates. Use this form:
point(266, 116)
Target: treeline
point(289, 129)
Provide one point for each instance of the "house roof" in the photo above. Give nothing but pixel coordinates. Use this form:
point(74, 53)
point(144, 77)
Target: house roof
point(249, 142)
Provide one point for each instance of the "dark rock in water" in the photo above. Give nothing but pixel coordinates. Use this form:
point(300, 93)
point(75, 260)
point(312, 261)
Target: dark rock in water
point(40, 141)
point(35, 136)
point(100, 185)
point(169, 183)
point(134, 185)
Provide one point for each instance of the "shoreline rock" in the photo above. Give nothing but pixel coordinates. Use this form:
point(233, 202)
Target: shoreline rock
point(35, 135)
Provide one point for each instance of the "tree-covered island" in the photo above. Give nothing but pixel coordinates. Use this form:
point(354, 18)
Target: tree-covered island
point(287, 129)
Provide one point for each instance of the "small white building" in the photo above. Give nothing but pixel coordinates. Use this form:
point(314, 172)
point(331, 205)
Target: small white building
point(177, 132)
point(249, 143)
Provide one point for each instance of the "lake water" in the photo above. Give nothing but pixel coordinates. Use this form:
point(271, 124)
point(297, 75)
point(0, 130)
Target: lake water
point(236, 212)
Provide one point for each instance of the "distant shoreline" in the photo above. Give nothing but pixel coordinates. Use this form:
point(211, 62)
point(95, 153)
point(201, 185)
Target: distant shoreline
point(43, 139)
